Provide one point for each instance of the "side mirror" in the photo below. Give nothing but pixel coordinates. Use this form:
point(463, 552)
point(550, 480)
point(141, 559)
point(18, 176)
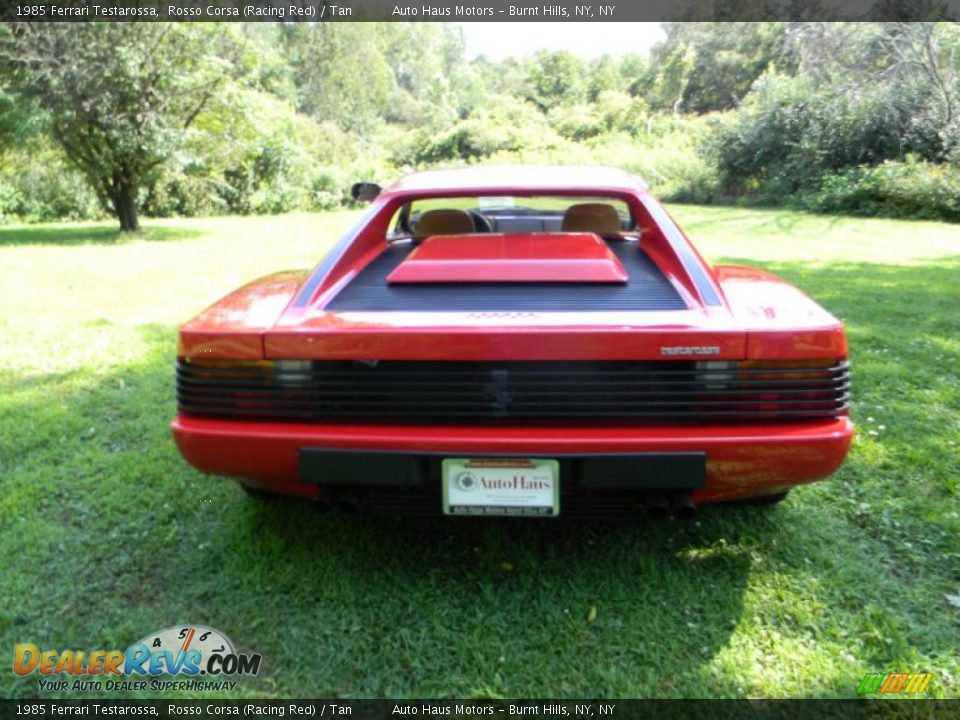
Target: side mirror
point(364, 191)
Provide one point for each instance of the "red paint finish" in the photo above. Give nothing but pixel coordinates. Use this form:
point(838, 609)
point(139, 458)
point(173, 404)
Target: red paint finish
point(511, 257)
point(741, 460)
point(233, 327)
point(732, 313)
point(784, 322)
point(493, 339)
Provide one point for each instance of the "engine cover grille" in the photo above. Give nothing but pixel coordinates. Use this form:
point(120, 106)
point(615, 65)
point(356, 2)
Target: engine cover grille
point(646, 289)
point(513, 392)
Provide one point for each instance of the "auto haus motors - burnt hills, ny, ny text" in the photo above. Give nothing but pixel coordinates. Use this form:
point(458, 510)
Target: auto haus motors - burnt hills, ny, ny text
point(549, 710)
point(545, 11)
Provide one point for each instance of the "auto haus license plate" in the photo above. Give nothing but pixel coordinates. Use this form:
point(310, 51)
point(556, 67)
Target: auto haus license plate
point(501, 486)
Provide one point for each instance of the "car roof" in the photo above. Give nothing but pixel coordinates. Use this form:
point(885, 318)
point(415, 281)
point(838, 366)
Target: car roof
point(521, 178)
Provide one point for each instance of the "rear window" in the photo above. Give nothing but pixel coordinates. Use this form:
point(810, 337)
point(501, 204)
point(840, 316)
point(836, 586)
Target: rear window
point(501, 214)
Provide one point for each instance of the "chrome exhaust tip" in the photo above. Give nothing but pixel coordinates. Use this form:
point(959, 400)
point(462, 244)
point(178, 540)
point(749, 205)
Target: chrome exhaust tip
point(657, 505)
point(683, 506)
point(349, 505)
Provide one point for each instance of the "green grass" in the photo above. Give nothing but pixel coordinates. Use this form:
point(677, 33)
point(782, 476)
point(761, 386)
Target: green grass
point(106, 534)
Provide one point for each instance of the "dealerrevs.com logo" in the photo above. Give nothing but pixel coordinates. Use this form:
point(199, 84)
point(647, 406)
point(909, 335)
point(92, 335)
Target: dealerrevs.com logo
point(194, 656)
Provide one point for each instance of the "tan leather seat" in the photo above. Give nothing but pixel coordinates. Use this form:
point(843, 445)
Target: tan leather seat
point(600, 218)
point(445, 222)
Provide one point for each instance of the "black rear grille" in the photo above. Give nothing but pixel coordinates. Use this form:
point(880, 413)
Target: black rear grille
point(513, 392)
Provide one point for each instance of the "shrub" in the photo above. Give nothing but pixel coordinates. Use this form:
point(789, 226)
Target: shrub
point(255, 154)
point(577, 122)
point(789, 132)
point(660, 148)
point(501, 125)
point(38, 184)
point(910, 189)
point(327, 189)
point(612, 112)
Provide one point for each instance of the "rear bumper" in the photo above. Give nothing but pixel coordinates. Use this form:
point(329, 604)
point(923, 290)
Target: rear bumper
point(741, 460)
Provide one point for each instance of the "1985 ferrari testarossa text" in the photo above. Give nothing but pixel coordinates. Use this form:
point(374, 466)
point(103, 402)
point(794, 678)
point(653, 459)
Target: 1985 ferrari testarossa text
point(529, 341)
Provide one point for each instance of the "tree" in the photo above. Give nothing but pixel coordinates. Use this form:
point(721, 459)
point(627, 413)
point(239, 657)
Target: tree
point(931, 53)
point(711, 66)
point(916, 63)
point(432, 80)
point(556, 78)
point(117, 96)
point(340, 72)
point(15, 121)
point(864, 94)
point(604, 75)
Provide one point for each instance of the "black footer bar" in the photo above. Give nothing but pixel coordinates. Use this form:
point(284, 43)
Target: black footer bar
point(546, 709)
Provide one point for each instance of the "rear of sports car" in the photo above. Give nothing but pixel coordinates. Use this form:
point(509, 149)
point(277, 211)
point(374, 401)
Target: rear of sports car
point(506, 367)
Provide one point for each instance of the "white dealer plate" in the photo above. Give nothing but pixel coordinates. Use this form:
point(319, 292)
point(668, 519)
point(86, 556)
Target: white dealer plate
point(501, 486)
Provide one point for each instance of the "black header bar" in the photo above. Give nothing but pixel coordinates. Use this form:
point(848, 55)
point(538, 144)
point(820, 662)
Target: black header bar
point(479, 11)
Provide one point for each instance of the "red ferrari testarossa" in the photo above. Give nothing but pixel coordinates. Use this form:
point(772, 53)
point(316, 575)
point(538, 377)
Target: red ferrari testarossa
point(530, 341)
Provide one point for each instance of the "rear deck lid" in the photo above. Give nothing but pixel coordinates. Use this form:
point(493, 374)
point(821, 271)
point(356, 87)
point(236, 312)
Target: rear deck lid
point(511, 257)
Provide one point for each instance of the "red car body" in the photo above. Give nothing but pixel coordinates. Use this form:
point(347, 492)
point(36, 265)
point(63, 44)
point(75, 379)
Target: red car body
point(649, 375)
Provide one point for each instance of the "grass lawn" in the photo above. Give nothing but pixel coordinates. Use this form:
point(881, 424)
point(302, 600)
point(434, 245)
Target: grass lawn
point(106, 534)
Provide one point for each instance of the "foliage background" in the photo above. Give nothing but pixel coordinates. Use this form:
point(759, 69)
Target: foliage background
point(860, 118)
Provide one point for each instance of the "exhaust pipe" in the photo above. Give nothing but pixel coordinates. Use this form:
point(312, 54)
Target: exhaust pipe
point(322, 503)
point(349, 504)
point(682, 506)
point(657, 505)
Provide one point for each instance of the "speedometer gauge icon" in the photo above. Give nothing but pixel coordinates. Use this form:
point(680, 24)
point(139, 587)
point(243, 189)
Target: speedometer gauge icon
point(183, 638)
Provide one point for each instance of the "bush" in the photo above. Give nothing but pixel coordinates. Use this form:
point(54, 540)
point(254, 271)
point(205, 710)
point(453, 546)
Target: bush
point(37, 184)
point(327, 189)
point(667, 156)
point(790, 132)
point(255, 154)
point(910, 189)
point(502, 125)
point(612, 112)
point(577, 122)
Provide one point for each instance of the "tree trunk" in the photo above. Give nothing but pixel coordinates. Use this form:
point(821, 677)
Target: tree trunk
point(124, 201)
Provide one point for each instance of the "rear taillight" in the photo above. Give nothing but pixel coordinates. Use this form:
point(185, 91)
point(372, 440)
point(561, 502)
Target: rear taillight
point(807, 387)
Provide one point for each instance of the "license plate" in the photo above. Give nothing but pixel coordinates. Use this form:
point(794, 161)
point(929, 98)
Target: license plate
point(500, 486)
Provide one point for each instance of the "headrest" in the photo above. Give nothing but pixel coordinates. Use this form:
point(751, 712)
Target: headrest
point(445, 222)
point(600, 218)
